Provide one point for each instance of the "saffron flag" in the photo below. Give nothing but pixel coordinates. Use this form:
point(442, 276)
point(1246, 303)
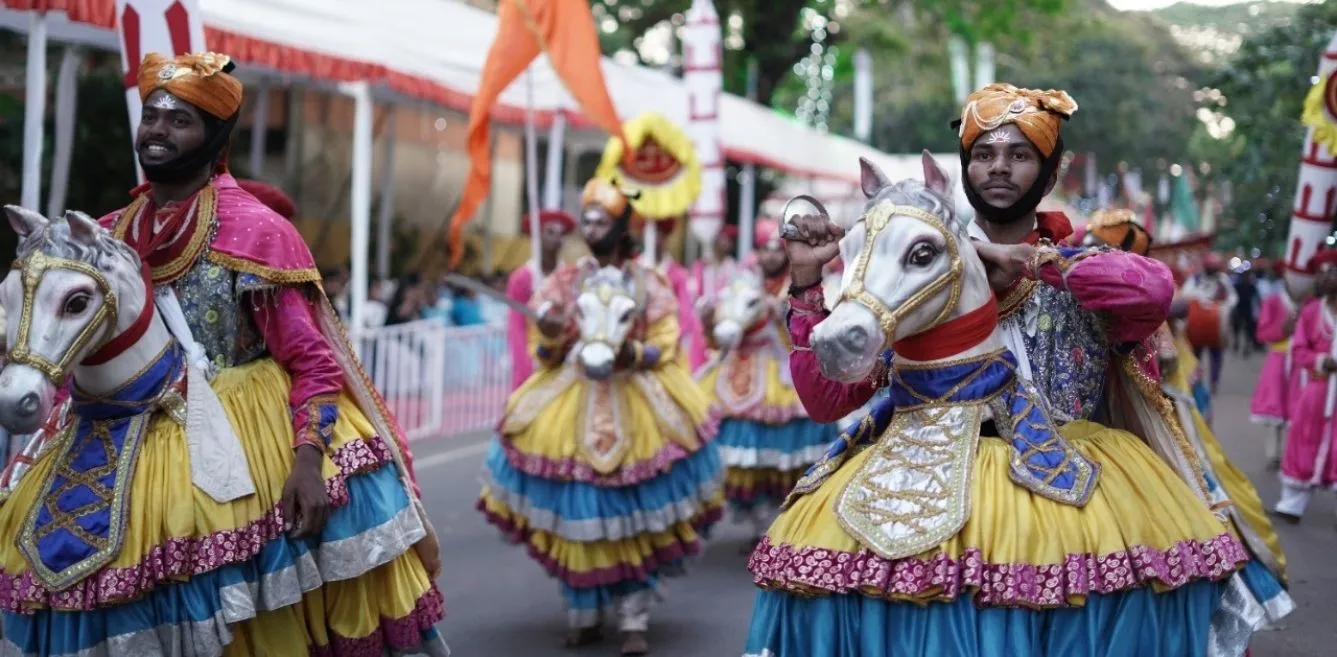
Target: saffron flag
point(564, 29)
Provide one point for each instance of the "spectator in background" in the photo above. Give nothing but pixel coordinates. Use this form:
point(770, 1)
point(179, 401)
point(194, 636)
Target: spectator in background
point(465, 309)
point(1244, 320)
point(409, 302)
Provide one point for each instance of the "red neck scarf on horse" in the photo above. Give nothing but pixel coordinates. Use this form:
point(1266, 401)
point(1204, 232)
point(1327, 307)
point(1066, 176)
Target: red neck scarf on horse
point(951, 337)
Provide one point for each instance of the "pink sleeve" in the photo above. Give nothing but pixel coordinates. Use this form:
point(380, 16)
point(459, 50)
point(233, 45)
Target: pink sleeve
point(1307, 346)
point(1131, 291)
point(1271, 322)
point(688, 323)
point(520, 288)
point(824, 399)
point(287, 321)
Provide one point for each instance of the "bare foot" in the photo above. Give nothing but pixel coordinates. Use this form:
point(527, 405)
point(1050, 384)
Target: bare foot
point(584, 637)
point(635, 644)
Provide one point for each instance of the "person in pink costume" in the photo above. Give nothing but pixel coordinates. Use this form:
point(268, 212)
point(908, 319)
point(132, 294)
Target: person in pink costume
point(554, 226)
point(1309, 460)
point(678, 278)
point(706, 280)
point(1277, 381)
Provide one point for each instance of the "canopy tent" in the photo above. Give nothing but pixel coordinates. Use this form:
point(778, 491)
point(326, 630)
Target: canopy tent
point(398, 46)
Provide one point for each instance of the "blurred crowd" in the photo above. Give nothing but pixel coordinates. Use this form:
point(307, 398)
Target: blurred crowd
point(413, 297)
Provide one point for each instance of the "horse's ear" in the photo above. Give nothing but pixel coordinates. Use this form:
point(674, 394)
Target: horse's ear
point(83, 228)
point(934, 176)
point(871, 178)
point(25, 221)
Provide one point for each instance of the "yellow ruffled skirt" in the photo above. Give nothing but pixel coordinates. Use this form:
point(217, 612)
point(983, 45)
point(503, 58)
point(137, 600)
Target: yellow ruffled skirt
point(1142, 527)
point(198, 577)
point(609, 484)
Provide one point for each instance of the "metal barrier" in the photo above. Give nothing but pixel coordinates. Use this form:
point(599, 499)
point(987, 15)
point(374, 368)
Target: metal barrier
point(439, 380)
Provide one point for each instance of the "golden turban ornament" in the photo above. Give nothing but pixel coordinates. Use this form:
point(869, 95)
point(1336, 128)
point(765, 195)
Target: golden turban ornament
point(1038, 114)
point(201, 79)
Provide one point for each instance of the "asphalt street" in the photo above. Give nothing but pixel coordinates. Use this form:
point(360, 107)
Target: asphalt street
point(499, 603)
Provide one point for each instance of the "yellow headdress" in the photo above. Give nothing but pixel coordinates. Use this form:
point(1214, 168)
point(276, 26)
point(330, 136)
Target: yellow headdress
point(661, 164)
point(1120, 229)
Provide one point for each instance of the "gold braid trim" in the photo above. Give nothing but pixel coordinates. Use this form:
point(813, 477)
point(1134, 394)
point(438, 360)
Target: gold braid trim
point(1152, 393)
point(1017, 298)
point(204, 217)
point(271, 274)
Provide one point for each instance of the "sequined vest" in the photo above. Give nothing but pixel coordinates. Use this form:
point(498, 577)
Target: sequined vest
point(1067, 349)
point(214, 301)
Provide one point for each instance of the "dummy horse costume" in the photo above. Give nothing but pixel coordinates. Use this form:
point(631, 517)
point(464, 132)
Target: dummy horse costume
point(955, 517)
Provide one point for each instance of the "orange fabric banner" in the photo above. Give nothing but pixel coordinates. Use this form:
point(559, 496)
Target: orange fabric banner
point(564, 29)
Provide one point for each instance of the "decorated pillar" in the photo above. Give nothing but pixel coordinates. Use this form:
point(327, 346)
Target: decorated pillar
point(171, 27)
point(1316, 186)
point(702, 73)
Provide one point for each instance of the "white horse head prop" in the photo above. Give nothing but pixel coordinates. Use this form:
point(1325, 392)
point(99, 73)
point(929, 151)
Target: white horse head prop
point(912, 269)
point(738, 308)
point(72, 288)
point(605, 311)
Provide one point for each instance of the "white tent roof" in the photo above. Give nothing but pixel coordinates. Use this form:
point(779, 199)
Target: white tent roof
point(434, 50)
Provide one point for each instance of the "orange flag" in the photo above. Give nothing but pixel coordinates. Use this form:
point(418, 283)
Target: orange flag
point(564, 29)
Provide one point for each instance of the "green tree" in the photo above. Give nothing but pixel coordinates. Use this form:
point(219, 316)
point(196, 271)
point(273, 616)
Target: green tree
point(1261, 91)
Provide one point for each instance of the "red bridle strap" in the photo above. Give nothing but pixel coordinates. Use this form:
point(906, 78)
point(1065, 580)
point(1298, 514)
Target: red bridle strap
point(117, 345)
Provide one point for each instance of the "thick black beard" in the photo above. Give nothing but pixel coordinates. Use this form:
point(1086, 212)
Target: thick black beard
point(615, 242)
point(1023, 206)
point(187, 166)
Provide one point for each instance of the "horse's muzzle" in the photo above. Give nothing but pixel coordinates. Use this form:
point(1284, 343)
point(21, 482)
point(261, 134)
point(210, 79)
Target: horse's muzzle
point(727, 333)
point(25, 399)
point(847, 344)
point(597, 360)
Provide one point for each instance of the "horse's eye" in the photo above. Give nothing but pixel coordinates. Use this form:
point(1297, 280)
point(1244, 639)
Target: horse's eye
point(753, 303)
point(626, 315)
point(922, 254)
point(76, 304)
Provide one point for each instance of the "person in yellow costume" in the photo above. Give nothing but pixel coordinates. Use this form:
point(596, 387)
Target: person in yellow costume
point(1230, 490)
point(226, 480)
point(604, 467)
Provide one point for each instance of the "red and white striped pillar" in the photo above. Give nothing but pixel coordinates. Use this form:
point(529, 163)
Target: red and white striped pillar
point(1315, 189)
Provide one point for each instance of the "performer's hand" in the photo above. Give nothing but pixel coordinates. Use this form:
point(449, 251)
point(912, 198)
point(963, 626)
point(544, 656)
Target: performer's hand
point(305, 505)
point(707, 317)
point(626, 356)
point(429, 553)
point(818, 244)
point(1006, 263)
point(552, 323)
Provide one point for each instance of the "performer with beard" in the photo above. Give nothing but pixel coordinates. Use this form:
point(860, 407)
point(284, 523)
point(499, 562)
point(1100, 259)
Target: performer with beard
point(606, 478)
point(766, 438)
point(320, 558)
point(1070, 317)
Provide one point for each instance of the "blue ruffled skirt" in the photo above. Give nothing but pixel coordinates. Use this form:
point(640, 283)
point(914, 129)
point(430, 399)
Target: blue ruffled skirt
point(764, 461)
point(1133, 623)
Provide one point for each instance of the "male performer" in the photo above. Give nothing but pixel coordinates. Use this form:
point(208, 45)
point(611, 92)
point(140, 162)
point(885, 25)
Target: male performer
point(554, 226)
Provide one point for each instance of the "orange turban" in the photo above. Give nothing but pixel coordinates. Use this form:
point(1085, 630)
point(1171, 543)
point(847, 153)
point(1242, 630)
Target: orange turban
point(200, 79)
point(601, 193)
point(1119, 229)
point(1037, 114)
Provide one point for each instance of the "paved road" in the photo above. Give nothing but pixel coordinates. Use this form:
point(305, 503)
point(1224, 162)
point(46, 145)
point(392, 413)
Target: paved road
point(500, 604)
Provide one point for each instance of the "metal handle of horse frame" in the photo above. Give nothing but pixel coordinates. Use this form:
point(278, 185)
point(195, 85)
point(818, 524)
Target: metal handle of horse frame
point(787, 229)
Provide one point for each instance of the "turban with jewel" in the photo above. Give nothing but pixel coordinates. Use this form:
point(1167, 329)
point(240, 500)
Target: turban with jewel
point(201, 79)
point(1038, 114)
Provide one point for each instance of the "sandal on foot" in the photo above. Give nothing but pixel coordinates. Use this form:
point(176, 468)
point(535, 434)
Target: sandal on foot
point(583, 637)
point(635, 644)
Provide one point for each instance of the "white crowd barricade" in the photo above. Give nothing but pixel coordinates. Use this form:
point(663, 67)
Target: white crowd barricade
point(439, 380)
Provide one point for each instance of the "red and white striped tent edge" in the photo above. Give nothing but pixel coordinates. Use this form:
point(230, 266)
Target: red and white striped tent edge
point(433, 50)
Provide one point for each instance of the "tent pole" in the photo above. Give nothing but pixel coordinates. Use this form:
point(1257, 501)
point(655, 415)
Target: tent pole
point(387, 208)
point(360, 197)
point(67, 105)
point(259, 130)
point(552, 181)
point(532, 176)
point(34, 112)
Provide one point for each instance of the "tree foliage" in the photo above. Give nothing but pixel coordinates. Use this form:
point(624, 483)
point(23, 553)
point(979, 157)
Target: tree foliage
point(1262, 90)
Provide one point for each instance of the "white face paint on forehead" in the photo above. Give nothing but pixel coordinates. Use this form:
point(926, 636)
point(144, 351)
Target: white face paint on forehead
point(999, 137)
point(166, 101)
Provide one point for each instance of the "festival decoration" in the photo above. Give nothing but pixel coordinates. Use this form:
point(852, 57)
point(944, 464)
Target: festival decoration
point(703, 56)
point(1316, 187)
point(658, 161)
